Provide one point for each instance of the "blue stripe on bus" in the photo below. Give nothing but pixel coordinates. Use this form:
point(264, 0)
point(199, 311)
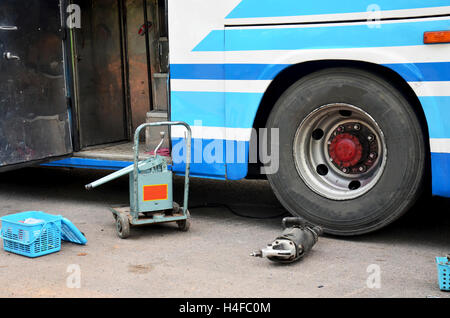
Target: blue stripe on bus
point(433, 71)
point(86, 163)
point(226, 71)
point(200, 167)
point(440, 171)
point(437, 112)
point(241, 109)
point(427, 72)
point(326, 37)
point(212, 158)
point(197, 71)
point(282, 8)
point(209, 107)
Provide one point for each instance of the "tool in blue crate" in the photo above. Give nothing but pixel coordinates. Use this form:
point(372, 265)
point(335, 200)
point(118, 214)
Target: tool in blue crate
point(151, 199)
point(35, 233)
point(443, 267)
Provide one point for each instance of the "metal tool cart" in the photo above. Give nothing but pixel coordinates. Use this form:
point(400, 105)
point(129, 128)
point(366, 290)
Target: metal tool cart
point(151, 199)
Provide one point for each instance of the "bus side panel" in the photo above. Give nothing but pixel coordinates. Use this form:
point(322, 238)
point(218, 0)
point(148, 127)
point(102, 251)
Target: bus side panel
point(252, 56)
point(194, 96)
point(396, 45)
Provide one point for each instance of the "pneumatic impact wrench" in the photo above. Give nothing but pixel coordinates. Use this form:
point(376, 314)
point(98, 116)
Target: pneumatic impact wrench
point(297, 239)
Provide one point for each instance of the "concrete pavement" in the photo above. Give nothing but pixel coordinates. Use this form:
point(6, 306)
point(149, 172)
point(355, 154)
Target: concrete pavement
point(212, 259)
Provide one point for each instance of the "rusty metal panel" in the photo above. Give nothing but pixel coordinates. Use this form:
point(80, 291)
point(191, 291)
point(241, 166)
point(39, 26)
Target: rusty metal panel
point(141, 100)
point(101, 107)
point(34, 117)
point(137, 59)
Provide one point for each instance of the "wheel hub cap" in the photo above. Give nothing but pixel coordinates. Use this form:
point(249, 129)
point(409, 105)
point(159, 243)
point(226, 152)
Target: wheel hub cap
point(345, 150)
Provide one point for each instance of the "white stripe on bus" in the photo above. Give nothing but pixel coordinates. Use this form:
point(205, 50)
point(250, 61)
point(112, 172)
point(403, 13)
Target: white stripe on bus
point(234, 86)
point(257, 86)
point(377, 55)
point(220, 133)
point(368, 16)
point(423, 89)
point(440, 145)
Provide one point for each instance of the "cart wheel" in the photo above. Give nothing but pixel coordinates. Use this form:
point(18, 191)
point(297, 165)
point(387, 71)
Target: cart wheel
point(122, 226)
point(185, 224)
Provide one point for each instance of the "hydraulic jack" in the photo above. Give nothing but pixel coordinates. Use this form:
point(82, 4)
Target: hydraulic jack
point(151, 198)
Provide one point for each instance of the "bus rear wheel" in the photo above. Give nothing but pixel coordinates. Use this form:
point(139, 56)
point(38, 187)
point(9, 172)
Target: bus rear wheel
point(351, 151)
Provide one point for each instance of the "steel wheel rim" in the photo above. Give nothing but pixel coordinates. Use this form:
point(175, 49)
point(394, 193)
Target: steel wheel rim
point(322, 151)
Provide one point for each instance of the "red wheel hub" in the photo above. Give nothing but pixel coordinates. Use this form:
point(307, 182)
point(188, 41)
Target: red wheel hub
point(345, 150)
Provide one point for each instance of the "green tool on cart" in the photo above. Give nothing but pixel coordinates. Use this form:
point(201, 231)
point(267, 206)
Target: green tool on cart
point(151, 199)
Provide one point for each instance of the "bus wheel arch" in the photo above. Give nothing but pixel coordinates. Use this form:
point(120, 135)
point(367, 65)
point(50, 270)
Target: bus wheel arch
point(295, 72)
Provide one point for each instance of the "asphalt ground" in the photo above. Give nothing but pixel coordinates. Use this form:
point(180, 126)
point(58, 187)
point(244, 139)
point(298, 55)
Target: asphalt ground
point(212, 259)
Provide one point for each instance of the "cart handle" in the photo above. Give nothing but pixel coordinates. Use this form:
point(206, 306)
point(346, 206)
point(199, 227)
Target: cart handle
point(188, 158)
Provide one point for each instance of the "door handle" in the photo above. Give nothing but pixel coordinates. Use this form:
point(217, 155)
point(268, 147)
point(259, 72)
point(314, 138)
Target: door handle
point(9, 56)
point(8, 28)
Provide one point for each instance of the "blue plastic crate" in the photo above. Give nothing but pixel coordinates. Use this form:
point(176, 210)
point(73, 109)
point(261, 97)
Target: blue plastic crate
point(31, 240)
point(443, 266)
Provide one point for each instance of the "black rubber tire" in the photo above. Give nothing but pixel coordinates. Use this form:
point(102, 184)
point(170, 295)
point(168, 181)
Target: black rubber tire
point(401, 182)
point(185, 225)
point(122, 226)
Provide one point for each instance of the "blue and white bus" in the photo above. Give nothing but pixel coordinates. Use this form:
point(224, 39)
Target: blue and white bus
point(347, 102)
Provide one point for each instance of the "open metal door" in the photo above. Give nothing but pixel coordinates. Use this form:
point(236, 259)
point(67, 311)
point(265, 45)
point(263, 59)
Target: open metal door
point(34, 117)
point(99, 66)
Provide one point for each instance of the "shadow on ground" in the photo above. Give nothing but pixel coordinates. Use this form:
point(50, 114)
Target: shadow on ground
point(427, 224)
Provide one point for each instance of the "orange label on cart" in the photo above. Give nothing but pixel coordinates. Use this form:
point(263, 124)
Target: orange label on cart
point(156, 192)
